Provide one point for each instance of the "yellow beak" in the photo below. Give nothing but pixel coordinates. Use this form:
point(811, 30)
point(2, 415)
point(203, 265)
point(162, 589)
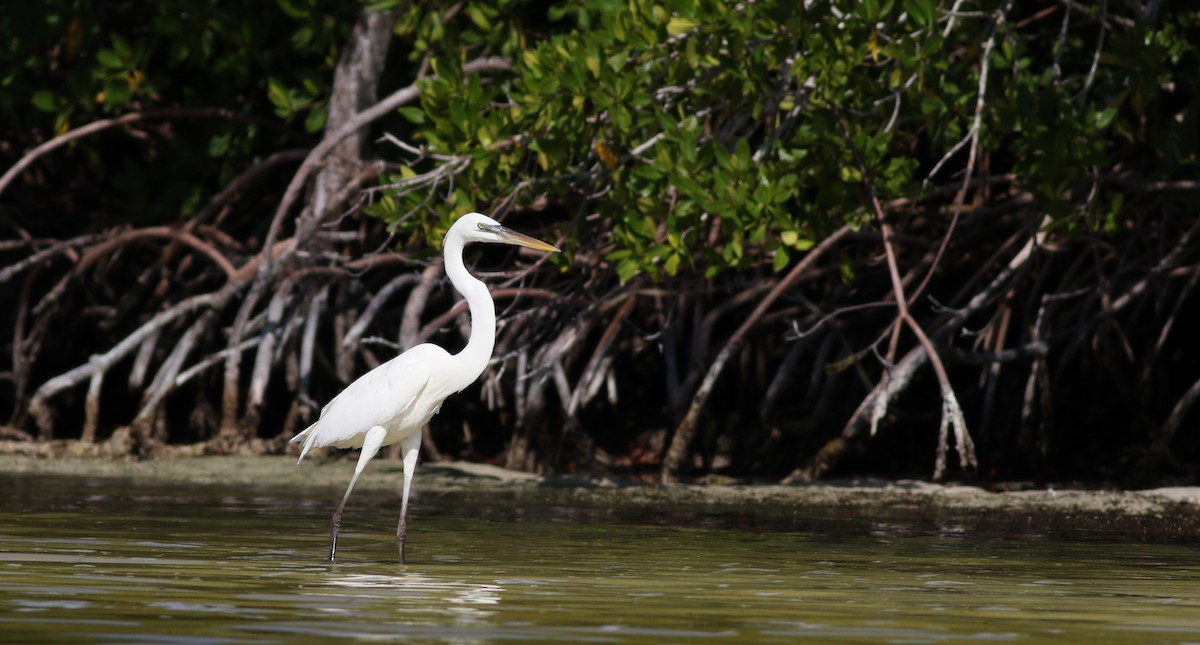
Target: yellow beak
point(509, 236)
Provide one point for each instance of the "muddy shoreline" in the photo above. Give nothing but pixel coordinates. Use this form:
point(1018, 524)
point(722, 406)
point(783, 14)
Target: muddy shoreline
point(1157, 515)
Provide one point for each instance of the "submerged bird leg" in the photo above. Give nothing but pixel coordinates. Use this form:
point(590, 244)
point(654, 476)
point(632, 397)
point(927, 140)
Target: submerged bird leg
point(371, 443)
point(411, 446)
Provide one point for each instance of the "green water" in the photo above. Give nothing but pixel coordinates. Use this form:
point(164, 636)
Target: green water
point(98, 561)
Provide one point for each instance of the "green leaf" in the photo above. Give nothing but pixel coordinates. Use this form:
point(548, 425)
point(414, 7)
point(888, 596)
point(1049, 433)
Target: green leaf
point(44, 100)
point(781, 260)
point(1105, 117)
point(278, 95)
point(414, 115)
point(677, 25)
point(871, 10)
point(219, 145)
point(648, 172)
point(292, 10)
point(478, 17)
point(921, 11)
point(117, 94)
point(721, 154)
point(315, 121)
point(121, 45)
point(671, 266)
point(617, 61)
point(742, 154)
point(626, 269)
point(110, 59)
point(302, 38)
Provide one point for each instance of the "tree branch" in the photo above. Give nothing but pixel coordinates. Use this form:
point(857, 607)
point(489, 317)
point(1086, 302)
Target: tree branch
point(686, 430)
point(106, 124)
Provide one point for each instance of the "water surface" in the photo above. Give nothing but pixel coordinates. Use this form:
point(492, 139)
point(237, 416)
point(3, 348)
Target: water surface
point(110, 561)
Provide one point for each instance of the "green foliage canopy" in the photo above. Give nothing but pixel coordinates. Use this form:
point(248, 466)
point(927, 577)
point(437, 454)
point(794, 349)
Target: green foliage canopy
point(712, 136)
point(68, 63)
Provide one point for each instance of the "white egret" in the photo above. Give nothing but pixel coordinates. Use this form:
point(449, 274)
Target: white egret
point(392, 402)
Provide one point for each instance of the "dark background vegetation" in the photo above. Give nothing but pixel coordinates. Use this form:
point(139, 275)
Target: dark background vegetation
point(910, 238)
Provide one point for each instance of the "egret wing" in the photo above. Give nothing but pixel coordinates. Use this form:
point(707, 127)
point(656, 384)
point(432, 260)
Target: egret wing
point(374, 399)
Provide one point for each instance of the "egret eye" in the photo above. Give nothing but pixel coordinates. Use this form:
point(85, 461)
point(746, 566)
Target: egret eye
point(482, 226)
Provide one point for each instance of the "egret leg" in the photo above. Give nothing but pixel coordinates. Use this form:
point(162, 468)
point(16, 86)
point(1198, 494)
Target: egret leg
point(371, 443)
point(411, 446)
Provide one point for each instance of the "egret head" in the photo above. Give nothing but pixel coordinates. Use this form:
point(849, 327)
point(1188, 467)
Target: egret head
point(477, 227)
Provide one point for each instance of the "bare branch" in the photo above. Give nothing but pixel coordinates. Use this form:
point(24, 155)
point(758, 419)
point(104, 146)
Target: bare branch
point(125, 119)
point(686, 430)
point(164, 381)
point(102, 362)
point(62, 247)
point(353, 337)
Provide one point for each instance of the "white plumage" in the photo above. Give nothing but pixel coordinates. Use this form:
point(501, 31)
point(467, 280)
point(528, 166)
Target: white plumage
point(385, 396)
point(391, 403)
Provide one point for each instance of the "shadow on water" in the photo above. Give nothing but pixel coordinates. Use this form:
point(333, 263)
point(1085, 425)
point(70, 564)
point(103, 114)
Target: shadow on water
point(106, 561)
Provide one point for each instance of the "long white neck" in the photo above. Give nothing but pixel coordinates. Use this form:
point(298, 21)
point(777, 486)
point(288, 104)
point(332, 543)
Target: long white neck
point(472, 360)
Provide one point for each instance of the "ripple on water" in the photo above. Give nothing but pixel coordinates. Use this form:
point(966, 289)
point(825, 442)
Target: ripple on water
point(187, 565)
